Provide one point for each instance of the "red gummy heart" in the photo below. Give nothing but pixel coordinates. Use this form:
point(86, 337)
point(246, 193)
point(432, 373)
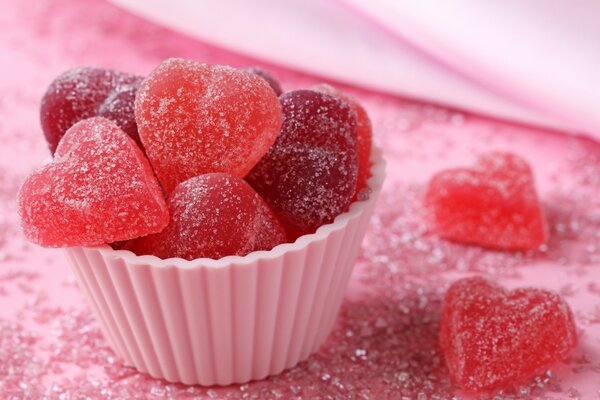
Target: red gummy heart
point(493, 205)
point(213, 216)
point(195, 119)
point(492, 337)
point(100, 188)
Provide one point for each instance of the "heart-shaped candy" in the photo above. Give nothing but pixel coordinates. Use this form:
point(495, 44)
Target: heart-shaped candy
point(213, 216)
point(99, 188)
point(494, 204)
point(309, 175)
point(195, 119)
point(492, 337)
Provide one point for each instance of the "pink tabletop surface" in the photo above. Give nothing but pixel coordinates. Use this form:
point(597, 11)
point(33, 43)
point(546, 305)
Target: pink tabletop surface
point(384, 344)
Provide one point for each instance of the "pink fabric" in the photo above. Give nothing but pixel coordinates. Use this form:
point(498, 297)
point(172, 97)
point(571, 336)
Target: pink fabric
point(526, 61)
point(384, 343)
point(542, 56)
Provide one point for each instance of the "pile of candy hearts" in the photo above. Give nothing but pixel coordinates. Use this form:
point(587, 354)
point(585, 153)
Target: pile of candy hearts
point(192, 161)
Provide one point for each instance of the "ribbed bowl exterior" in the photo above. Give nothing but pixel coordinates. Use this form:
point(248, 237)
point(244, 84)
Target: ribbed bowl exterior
point(219, 322)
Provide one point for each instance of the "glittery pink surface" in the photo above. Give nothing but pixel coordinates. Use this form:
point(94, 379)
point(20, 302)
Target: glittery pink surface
point(385, 342)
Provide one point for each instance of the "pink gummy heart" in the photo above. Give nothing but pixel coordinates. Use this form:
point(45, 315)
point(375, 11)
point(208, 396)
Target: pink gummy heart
point(99, 188)
point(195, 119)
point(492, 337)
point(494, 204)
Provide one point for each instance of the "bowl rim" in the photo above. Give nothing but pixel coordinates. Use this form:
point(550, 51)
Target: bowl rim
point(374, 183)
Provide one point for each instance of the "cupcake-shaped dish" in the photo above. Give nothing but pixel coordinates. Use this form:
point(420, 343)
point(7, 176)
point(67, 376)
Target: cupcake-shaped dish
point(220, 252)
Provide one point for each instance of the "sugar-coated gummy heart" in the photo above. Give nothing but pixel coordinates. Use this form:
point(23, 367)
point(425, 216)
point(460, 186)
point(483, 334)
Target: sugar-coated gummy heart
point(307, 187)
point(492, 337)
point(364, 133)
point(196, 118)
point(267, 76)
point(494, 204)
point(82, 93)
point(213, 216)
point(309, 175)
point(99, 188)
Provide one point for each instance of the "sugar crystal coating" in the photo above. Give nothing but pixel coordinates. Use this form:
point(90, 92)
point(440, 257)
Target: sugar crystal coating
point(213, 216)
point(364, 133)
point(267, 76)
point(494, 204)
point(195, 118)
point(315, 119)
point(307, 187)
point(99, 188)
point(309, 175)
point(81, 93)
point(492, 337)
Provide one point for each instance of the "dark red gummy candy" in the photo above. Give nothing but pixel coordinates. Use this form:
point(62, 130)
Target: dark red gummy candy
point(213, 216)
point(308, 187)
point(267, 76)
point(364, 134)
point(309, 175)
point(196, 118)
point(492, 337)
point(99, 188)
point(494, 204)
point(82, 93)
